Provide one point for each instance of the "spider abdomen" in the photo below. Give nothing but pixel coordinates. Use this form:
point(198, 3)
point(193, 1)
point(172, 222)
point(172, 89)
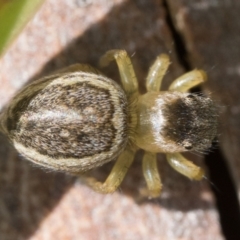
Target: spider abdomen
point(72, 122)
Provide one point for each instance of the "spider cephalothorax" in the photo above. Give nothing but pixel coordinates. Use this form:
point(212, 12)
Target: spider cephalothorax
point(191, 122)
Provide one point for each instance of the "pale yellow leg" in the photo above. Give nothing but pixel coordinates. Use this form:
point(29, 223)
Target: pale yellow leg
point(128, 78)
point(157, 72)
point(188, 80)
point(184, 166)
point(151, 174)
point(116, 176)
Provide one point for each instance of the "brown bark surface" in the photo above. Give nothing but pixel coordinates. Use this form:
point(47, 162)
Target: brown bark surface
point(39, 204)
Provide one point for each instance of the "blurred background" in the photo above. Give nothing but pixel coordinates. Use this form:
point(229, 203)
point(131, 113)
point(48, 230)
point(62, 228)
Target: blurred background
point(38, 37)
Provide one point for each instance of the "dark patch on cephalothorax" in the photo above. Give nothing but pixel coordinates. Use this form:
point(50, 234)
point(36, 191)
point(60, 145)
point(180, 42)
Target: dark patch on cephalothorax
point(191, 122)
point(72, 121)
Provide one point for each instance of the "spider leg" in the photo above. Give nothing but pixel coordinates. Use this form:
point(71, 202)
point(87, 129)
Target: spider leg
point(151, 174)
point(116, 175)
point(127, 74)
point(188, 80)
point(157, 72)
point(184, 166)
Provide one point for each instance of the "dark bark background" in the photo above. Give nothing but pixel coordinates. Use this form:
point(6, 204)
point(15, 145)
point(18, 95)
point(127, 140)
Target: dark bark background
point(36, 203)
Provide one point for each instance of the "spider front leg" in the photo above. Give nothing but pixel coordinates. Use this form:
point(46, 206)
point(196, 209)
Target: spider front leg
point(116, 175)
point(188, 80)
point(184, 166)
point(128, 78)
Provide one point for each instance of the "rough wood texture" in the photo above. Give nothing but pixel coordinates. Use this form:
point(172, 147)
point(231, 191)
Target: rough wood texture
point(38, 204)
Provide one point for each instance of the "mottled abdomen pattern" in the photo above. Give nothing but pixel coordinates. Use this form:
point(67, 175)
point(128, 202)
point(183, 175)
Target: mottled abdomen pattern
point(74, 122)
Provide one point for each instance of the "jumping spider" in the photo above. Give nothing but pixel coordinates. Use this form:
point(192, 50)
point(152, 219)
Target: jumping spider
point(78, 119)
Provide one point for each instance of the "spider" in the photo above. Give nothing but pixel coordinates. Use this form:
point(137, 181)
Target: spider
point(78, 119)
